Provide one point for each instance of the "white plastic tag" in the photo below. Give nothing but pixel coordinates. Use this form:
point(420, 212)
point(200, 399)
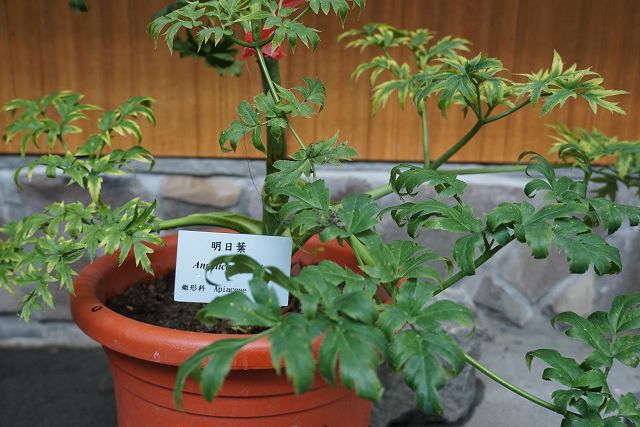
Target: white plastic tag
point(196, 249)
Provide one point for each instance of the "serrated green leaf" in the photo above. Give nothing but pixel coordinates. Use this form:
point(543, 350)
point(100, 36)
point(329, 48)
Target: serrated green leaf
point(562, 369)
point(464, 252)
point(400, 259)
point(414, 354)
point(584, 330)
point(357, 213)
point(435, 214)
point(357, 350)
point(291, 342)
point(219, 357)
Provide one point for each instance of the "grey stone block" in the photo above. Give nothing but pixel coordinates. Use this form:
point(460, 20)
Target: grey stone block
point(533, 277)
point(217, 192)
point(205, 167)
point(496, 294)
point(575, 293)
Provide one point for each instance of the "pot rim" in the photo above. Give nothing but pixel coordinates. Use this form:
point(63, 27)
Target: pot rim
point(149, 342)
point(142, 340)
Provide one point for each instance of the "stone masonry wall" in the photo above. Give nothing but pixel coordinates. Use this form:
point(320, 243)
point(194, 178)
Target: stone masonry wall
point(512, 284)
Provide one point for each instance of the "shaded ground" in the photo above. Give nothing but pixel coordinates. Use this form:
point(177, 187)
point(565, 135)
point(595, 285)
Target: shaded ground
point(55, 387)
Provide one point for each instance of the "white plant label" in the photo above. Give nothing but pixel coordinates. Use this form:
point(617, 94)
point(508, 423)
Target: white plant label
point(196, 249)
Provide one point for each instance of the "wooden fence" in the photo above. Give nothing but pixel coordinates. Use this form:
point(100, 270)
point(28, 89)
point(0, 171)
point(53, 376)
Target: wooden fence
point(107, 55)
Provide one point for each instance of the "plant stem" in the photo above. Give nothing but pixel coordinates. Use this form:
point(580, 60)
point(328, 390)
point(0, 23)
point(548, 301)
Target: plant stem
point(425, 136)
point(517, 390)
point(380, 192)
point(301, 14)
point(272, 89)
point(498, 169)
point(265, 72)
point(478, 100)
point(506, 113)
point(254, 45)
point(458, 145)
point(361, 252)
point(236, 222)
point(276, 147)
point(477, 263)
point(295, 135)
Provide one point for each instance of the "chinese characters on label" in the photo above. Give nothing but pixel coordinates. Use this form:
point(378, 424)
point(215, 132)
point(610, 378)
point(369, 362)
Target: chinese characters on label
point(241, 247)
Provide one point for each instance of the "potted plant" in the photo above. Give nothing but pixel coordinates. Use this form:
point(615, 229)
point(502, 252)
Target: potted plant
point(358, 299)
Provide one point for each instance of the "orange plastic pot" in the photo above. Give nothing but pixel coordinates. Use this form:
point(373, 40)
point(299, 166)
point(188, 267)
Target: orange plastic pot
point(144, 358)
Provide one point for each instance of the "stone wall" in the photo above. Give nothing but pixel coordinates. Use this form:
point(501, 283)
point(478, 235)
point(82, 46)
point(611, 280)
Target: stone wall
point(512, 284)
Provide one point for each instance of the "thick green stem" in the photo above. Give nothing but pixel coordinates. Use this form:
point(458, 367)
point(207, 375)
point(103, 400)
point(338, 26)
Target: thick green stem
point(458, 145)
point(506, 113)
point(509, 386)
point(477, 263)
point(425, 137)
point(380, 192)
point(233, 221)
point(276, 147)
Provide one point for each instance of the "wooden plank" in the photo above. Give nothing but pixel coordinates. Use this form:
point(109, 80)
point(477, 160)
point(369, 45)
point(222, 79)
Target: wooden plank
point(7, 84)
point(107, 55)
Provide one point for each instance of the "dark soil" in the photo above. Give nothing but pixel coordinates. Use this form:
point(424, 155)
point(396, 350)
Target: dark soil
point(153, 303)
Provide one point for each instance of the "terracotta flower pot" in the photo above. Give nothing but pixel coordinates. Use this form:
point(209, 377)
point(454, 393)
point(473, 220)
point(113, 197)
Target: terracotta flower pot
point(144, 360)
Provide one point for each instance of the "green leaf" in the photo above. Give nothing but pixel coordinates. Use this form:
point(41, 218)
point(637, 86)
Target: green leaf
point(406, 182)
point(291, 341)
point(356, 213)
point(625, 313)
point(358, 306)
point(584, 330)
point(419, 344)
point(416, 355)
point(627, 350)
point(584, 248)
point(411, 307)
point(308, 206)
point(357, 350)
point(325, 279)
point(629, 408)
point(538, 229)
point(591, 380)
point(464, 252)
point(239, 309)
point(564, 398)
point(400, 259)
point(557, 85)
point(435, 214)
point(218, 357)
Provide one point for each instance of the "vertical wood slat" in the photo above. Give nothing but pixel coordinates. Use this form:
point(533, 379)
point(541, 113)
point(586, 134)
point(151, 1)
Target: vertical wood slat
point(107, 55)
